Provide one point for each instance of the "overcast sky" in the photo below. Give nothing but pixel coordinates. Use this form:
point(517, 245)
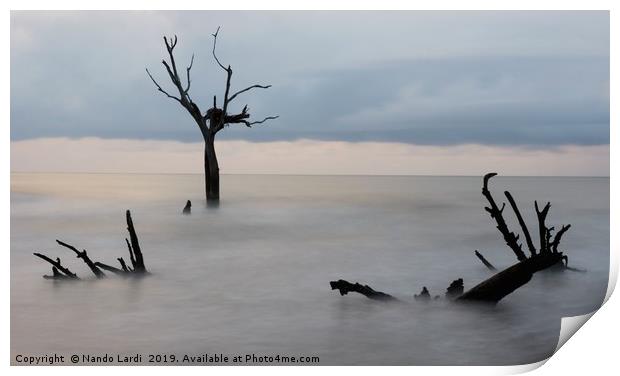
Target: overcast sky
point(531, 80)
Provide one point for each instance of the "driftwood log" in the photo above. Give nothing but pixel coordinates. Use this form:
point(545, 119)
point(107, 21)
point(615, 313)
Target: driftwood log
point(501, 284)
point(345, 287)
point(510, 279)
point(59, 272)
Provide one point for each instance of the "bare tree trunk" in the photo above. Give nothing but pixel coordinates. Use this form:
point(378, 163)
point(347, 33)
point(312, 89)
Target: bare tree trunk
point(510, 279)
point(212, 172)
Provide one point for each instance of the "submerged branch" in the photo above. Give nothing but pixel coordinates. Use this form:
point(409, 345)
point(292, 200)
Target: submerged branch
point(484, 261)
point(345, 287)
point(84, 256)
point(56, 264)
point(110, 268)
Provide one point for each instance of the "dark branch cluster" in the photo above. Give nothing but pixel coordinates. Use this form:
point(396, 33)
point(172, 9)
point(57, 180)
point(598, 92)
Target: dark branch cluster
point(502, 283)
point(548, 242)
point(214, 119)
point(135, 256)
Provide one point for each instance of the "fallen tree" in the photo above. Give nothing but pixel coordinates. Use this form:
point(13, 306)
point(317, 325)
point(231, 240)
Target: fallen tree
point(60, 272)
point(508, 280)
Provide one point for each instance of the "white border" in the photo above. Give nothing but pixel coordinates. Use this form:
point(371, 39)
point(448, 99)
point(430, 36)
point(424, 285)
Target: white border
point(594, 348)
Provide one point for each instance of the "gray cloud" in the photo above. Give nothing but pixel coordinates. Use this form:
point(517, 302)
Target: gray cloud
point(505, 78)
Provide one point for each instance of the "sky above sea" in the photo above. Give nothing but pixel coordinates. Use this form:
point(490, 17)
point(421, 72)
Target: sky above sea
point(408, 92)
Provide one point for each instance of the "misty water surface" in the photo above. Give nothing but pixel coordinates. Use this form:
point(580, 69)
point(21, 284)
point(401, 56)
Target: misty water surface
point(253, 275)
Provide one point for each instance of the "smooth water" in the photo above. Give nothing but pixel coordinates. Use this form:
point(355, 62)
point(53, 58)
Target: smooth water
point(252, 276)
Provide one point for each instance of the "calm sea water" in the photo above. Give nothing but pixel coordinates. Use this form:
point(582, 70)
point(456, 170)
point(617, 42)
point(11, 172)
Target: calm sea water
point(252, 277)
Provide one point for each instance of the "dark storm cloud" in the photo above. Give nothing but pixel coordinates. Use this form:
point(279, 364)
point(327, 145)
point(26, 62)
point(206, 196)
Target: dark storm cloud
point(428, 78)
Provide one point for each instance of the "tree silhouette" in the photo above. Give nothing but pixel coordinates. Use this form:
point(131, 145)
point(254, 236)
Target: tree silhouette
point(214, 119)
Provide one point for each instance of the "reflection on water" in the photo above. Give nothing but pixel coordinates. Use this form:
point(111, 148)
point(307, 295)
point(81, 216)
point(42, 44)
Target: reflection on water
point(253, 276)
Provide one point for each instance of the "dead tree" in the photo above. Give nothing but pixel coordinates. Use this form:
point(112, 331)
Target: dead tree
point(59, 272)
point(505, 282)
point(214, 119)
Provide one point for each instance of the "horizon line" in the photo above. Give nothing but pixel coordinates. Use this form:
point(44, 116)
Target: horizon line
point(284, 174)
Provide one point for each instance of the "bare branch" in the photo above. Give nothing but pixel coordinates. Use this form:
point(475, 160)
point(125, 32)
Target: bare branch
point(222, 120)
point(160, 89)
point(526, 232)
point(124, 265)
point(496, 213)
point(214, 44)
point(558, 237)
point(131, 256)
point(484, 261)
point(135, 245)
point(173, 77)
point(243, 115)
point(184, 98)
point(188, 69)
point(249, 124)
point(226, 92)
point(110, 268)
point(84, 256)
point(542, 228)
point(57, 265)
point(170, 48)
point(248, 88)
